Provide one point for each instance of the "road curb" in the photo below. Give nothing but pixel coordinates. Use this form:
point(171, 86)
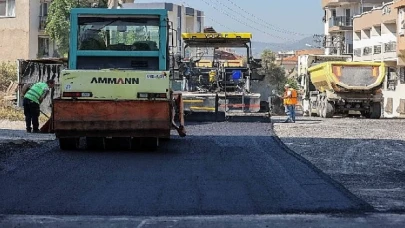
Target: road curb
point(364, 206)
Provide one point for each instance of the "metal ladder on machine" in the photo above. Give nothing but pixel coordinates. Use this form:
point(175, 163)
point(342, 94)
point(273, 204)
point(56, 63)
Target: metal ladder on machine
point(235, 113)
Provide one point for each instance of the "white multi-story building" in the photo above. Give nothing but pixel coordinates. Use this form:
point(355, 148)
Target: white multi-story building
point(374, 34)
point(338, 21)
point(184, 19)
point(377, 37)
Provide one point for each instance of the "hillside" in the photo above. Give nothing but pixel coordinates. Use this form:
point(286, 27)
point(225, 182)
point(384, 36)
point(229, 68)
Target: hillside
point(258, 47)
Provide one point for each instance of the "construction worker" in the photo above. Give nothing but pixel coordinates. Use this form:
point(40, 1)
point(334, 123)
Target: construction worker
point(33, 97)
point(290, 101)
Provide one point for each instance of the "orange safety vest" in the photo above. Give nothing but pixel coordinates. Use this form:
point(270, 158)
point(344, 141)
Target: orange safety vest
point(293, 100)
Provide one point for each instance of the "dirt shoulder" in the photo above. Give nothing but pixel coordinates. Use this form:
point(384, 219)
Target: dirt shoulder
point(366, 156)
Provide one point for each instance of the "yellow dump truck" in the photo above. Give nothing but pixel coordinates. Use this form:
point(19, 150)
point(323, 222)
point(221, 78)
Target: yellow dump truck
point(347, 86)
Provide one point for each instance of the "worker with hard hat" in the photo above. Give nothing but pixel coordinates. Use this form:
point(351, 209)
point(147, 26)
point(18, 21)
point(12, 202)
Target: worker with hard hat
point(290, 100)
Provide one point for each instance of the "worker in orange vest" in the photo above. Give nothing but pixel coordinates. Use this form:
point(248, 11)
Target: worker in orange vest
point(290, 101)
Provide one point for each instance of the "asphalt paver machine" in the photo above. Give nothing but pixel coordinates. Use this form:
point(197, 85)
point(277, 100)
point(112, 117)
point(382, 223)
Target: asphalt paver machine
point(212, 84)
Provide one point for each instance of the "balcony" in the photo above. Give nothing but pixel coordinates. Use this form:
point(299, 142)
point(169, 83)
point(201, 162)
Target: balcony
point(42, 23)
point(335, 3)
point(348, 49)
point(342, 23)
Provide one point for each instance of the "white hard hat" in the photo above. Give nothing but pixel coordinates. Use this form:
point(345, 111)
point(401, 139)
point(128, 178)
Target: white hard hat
point(287, 85)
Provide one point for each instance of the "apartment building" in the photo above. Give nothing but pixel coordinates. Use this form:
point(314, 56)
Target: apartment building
point(374, 35)
point(394, 92)
point(22, 29)
point(338, 23)
point(377, 34)
point(183, 19)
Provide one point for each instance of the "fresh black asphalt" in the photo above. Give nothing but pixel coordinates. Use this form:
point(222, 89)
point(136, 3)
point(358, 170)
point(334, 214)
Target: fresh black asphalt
point(218, 169)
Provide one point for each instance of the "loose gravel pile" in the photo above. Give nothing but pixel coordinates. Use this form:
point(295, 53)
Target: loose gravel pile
point(366, 156)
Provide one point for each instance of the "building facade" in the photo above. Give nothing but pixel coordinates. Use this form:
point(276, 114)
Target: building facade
point(22, 29)
point(338, 23)
point(183, 19)
point(374, 35)
point(377, 38)
point(395, 83)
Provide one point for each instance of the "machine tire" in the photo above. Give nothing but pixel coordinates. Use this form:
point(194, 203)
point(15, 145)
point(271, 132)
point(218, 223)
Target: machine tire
point(375, 111)
point(69, 143)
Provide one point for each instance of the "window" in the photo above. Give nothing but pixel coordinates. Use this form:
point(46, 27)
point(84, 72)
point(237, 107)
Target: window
point(7, 8)
point(333, 12)
point(43, 47)
point(43, 10)
point(347, 13)
point(130, 34)
point(366, 9)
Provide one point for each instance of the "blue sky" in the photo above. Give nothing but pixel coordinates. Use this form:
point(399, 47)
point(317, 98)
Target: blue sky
point(294, 19)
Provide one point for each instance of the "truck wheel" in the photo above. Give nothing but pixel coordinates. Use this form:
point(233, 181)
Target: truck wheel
point(328, 109)
point(69, 143)
point(375, 110)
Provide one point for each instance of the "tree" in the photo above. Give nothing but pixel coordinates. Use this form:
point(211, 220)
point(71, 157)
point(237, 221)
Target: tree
point(275, 75)
point(58, 24)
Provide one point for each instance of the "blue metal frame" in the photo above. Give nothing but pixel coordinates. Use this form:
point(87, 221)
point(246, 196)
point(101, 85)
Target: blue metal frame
point(163, 33)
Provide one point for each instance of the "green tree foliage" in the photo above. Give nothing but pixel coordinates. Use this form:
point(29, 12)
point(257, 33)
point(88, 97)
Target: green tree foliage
point(292, 82)
point(57, 24)
point(275, 75)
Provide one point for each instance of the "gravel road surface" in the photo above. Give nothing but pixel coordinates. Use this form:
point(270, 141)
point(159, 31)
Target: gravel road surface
point(218, 169)
point(366, 156)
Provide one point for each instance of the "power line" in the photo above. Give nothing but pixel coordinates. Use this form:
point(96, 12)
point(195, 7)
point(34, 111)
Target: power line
point(211, 19)
point(275, 45)
point(233, 11)
point(270, 26)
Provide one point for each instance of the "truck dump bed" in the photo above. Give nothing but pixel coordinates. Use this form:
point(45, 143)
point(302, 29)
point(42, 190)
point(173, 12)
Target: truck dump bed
point(347, 76)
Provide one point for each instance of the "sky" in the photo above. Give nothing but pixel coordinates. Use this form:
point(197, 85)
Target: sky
point(275, 21)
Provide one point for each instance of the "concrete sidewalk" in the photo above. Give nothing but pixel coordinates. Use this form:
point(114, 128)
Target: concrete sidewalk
point(249, 221)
